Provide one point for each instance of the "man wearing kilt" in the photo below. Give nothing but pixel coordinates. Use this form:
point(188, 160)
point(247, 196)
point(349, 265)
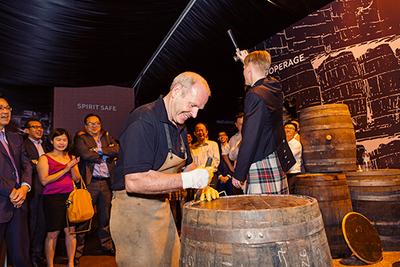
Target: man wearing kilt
point(258, 169)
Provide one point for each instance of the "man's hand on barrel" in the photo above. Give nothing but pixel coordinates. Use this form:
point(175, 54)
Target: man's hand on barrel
point(236, 183)
point(197, 178)
point(209, 194)
point(224, 179)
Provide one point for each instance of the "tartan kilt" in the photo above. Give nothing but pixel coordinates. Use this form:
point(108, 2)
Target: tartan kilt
point(267, 177)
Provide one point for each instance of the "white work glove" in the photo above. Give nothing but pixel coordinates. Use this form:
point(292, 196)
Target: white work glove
point(197, 178)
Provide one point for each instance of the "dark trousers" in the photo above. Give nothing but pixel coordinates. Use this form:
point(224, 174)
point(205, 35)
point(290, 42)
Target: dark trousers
point(101, 196)
point(15, 236)
point(291, 178)
point(37, 226)
point(229, 189)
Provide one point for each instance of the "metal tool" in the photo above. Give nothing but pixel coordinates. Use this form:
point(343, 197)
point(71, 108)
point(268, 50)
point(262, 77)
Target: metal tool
point(198, 192)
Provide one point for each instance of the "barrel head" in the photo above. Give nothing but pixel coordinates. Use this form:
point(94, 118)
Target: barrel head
point(252, 202)
point(362, 238)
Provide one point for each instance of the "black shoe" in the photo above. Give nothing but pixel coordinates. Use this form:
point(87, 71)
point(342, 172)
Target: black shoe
point(109, 252)
point(38, 262)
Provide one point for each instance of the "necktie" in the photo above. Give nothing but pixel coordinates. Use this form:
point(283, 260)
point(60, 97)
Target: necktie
point(5, 145)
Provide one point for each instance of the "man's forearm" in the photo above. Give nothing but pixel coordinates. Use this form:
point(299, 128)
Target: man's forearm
point(228, 162)
point(152, 182)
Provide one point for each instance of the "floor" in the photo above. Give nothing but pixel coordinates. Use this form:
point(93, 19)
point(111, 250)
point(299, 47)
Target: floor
point(97, 261)
point(389, 258)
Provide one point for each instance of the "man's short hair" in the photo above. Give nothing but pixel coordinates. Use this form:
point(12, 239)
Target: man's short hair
point(27, 123)
point(187, 79)
point(293, 124)
point(90, 115)
point(297, 124)
point(239, 115)
point(259, 57)
point(201, 123)
point(5, 98)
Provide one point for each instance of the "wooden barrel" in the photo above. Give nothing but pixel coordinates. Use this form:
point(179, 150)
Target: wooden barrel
point(254, 230)
point(376, 195)
point(333, 197)
point(328, 138)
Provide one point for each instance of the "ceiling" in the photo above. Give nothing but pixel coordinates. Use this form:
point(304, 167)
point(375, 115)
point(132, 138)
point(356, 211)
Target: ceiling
point(140, 43)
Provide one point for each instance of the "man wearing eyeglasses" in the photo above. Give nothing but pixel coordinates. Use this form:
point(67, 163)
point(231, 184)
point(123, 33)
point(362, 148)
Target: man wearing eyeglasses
point(15, 181)
point(98, 151)
point(35, 147)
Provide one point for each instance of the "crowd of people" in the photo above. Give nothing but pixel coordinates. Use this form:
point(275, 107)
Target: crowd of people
point(131, 180)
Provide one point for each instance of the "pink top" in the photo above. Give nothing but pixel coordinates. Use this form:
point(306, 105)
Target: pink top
point(62, 185)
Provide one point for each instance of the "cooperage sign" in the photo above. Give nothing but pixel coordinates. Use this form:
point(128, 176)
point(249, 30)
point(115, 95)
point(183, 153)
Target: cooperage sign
point(287, 63)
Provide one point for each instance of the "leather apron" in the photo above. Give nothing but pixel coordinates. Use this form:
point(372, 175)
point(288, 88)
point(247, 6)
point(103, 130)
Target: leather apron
point(142, 226)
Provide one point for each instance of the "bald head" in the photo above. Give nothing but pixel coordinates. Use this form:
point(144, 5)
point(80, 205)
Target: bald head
point(189, 80)
point(189, 92)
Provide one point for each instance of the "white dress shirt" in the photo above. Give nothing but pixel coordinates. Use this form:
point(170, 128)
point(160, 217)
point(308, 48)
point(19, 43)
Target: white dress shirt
point(200, 153)
point(296, 149)
point(234, 144)
point(38, 145)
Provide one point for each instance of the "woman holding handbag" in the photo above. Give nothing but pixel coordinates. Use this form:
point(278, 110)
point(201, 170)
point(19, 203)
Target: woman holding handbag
point(57, 170)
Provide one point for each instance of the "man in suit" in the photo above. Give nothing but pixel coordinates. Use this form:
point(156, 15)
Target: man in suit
point(15, 181)
point(35, 147)
point(258, 163)
point(98, 151)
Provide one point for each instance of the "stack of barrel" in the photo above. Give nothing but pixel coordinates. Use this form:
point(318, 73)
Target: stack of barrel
point(329, 156)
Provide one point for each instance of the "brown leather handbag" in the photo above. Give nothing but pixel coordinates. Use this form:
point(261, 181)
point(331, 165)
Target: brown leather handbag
point(79, 205)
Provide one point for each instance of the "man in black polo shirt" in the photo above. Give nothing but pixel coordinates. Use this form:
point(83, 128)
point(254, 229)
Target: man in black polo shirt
point(154, 150)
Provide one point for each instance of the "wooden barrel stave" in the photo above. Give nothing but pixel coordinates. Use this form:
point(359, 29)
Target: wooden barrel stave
point(221, 234)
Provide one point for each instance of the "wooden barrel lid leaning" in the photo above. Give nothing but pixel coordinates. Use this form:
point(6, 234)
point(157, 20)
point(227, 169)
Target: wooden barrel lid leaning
point(362, 238)
point(376, 195)
point(254, 230)
point(332, 193)
point(328, 138)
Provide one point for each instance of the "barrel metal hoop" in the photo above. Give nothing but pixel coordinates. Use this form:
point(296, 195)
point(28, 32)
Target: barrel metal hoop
point(338, 198)
point(331, 127)
point(369, 183)
point(329, 163)
point(312, 115)
point(312, 149)
point(387, 224)
point(254, 235)
point(375, 198)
